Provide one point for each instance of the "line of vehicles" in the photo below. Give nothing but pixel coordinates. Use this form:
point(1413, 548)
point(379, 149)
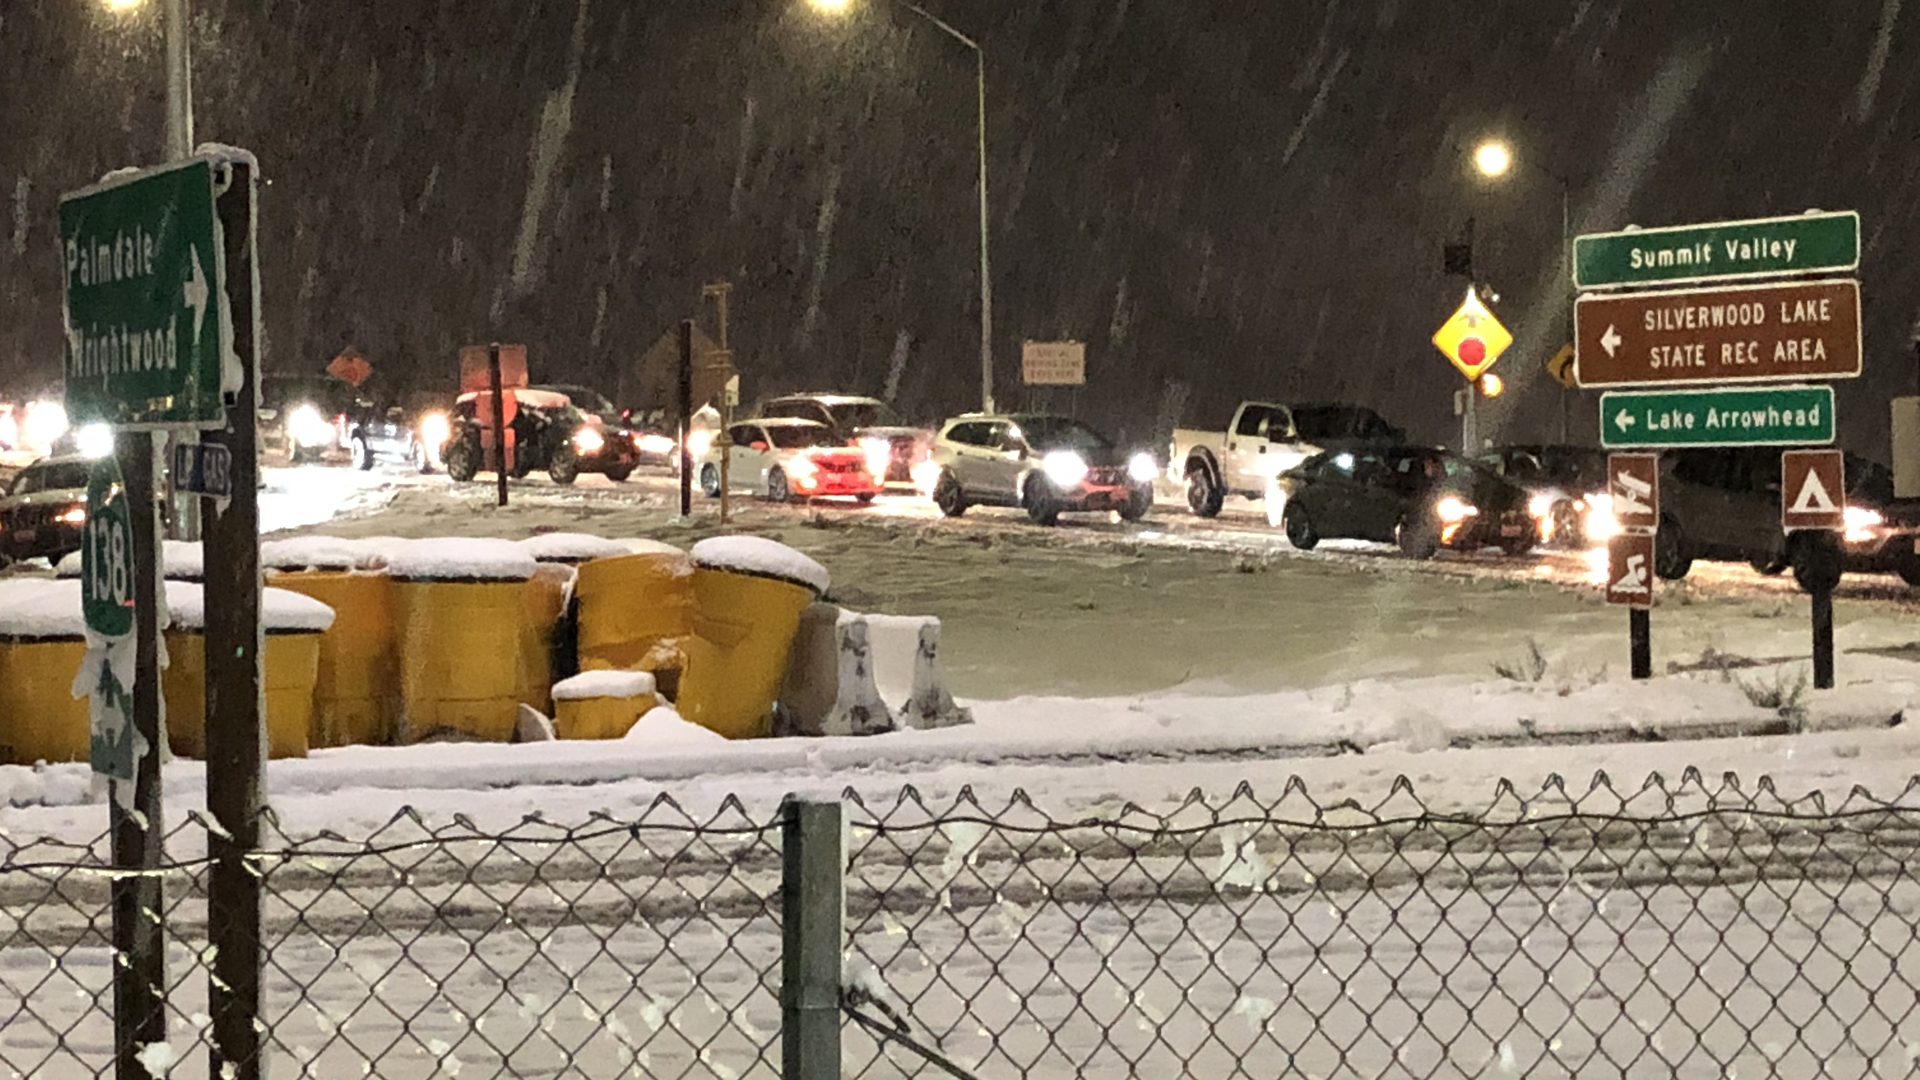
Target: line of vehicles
point(1322, 472)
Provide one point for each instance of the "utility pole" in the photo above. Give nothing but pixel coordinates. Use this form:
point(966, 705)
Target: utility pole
point(719, 291)
point(185, 518)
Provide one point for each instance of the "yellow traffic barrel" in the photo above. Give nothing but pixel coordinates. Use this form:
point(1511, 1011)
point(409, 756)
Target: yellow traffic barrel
point(636, 612)
point(749, 593)
point(357, 698)
point(461, 605)
point(601, 704)
point(290, 668)
point(42, 638)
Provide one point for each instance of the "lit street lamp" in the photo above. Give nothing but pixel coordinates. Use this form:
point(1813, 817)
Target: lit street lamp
point(838, 7)
point(1494, 159)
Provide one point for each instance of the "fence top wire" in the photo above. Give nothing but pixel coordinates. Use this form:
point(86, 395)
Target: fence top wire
point(406, 830)
point(1656, 799)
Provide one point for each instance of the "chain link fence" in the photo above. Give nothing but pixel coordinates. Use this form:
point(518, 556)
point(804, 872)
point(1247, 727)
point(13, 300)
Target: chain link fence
point(1678, 929)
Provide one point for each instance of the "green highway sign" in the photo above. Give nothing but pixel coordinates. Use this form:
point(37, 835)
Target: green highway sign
point(1742, 416)
point(106, 554)
point(1718, 251)
point(145, 284)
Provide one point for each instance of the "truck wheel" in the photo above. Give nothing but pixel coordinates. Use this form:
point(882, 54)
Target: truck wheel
point(1671, 560)
point(417, 459)
point(1818, 560)
point(1139, 501)
point(1042, 509)
point(1417, 539)
point(1204, 497)
point(710, 481)
point(948, 495)
point(362, 455)
point(619, 473)
point(1768, 565)
point(564, 467)
point(1909, 569)
point(463, 458)
point(1299, 530)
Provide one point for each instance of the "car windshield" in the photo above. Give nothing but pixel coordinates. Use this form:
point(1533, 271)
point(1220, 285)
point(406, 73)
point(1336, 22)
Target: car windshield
point(1060, 433)
point(1318, 422)
point(62, 476)
point(865, 414)
point(584, 398)
point(799, 436)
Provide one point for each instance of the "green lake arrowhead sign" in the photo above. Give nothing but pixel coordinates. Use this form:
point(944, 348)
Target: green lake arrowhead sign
point(1813, 242)
point(144, 286)
point(1732, 416)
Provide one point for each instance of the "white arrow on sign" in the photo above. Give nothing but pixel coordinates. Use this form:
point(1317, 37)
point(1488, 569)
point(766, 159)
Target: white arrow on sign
point(193, 294)
point(1624, 420)
point(1610, 340)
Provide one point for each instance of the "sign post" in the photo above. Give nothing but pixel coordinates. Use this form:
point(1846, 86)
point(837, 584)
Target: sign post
point(158, 341)
point(1813, 503)
point(1633, 489)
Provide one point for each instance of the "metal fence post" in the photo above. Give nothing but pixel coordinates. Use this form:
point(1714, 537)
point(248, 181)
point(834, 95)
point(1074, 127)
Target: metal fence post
point(813, 924)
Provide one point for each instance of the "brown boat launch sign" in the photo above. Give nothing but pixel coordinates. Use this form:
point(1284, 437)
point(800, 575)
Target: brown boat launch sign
point(1782, 332)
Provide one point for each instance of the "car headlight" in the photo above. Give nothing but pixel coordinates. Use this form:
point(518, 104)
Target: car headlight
point(699, 441)
point(802, 469)
point(879, 455)
point(308, 429)
point(1064, 467)
point(94, 441)
point(1540, 505)
point(1601, 525)
point(435, 430)
point(1142, 468)
point(75, 516)
point(1860, 522)
point(1453, 510)
point(588, 441)
point(657, 445)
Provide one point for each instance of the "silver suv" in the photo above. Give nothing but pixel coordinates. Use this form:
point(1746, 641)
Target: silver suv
point(1046, 465)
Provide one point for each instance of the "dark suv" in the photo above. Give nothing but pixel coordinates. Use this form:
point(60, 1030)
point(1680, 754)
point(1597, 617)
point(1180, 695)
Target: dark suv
point(1724, 504)
point(45, 508)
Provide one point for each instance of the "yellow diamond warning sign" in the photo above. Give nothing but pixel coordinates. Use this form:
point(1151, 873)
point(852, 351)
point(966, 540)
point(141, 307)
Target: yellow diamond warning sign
point(1473, 339)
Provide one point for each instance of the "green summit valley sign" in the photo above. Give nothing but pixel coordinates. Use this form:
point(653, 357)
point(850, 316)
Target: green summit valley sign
point(1814, 242)
point(144, 286)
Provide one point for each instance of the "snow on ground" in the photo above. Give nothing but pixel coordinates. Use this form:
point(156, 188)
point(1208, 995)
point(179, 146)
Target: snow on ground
point(1102, 667)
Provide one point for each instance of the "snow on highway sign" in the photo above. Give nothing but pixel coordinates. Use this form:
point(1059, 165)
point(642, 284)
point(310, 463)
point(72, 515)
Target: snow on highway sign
point(1633, 485)
point(1472, 339)
point(145, 285)
point(1718, 251)
point(1813, 490)
point(1733, 334)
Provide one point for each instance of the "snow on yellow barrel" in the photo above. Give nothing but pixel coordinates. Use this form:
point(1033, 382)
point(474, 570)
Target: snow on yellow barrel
point(293, 625)
point(357, 698)
point(462, 605)
point(41, 643)
point(636, 611)
point(601, 704)
point(180, 560)
point(749, 593)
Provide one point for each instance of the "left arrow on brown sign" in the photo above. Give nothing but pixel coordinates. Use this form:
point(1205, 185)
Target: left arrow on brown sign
point(1736, 334)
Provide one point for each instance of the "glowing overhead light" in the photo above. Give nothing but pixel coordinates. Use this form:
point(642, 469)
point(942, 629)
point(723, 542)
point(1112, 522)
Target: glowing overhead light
point(122, 5)
point(831, 7)
point(1493, 158)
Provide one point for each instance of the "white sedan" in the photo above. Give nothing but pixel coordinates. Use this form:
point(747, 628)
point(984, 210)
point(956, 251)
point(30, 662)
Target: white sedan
point(787, 460)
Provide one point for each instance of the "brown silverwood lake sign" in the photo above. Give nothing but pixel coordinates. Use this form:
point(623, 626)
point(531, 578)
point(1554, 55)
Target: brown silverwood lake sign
point(1791, 331)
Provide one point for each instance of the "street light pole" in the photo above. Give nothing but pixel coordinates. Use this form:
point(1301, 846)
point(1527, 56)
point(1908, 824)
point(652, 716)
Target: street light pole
point(179, 83)
point(980, 101)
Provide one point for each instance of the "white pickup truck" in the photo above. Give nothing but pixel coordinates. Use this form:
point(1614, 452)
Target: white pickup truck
point(1264, 440)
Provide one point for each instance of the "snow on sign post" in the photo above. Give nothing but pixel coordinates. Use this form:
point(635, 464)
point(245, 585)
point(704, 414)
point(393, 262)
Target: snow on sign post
point(1053, 363)
point(145, 308)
